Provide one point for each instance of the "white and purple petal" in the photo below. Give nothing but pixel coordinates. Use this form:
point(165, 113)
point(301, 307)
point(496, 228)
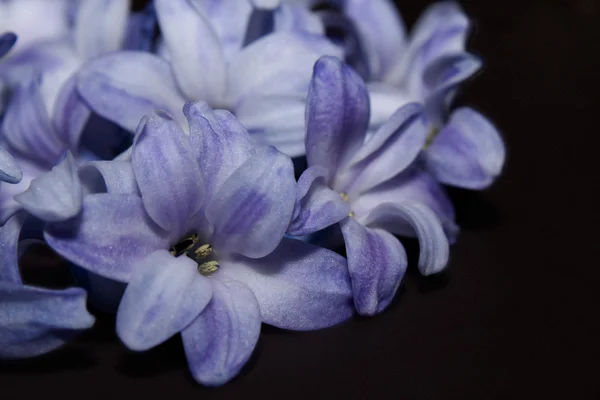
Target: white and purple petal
point(195, 52)
point(220, 341)
point(167, 173)
point(112, 232)
point(317, 206)
point(298, 286)
point(376, 263)
point(56, 195)
point(165, 294)
point(253, 208)
point(124, 86)
point(337, 115)
point(433, 244)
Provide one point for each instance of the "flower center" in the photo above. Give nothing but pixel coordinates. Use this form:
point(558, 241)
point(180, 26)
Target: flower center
point(202, 254)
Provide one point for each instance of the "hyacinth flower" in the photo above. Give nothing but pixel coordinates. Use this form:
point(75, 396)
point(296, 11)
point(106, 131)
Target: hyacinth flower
point(199, 241)
point(367, 185)
point(463, 148)
point(218, 53)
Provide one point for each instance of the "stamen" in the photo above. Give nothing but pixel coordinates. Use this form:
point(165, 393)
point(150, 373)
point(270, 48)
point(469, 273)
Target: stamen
point(184, 245)
point(203, 251)
point(351, 214)
point(433, 131)
point(208, 267)
point(344, 196)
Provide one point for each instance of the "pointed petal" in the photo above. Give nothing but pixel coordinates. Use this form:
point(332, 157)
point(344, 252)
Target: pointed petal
point(382, 31)
point(110, 235)
point(441, 30)
point(27, 127)
point(195, 52)
point(9, 169)
point(109, 177)
point(468, 152)
point(278, 64)
point(253, 208)
point(164, 296)
point(376, 262)
point(167, 173)
point(299, 286)
point(412, 185)
point(434, 250)
point(34, 321)
point(393, 157)
point(317, 206)
point(55, 195)
point(9, 241)
point(220, 341)
point(337, 114)
point(219, 142)
point(71, 113)
point(100, 26)
point(126, 85)
point(275, 120)
point(442, 79)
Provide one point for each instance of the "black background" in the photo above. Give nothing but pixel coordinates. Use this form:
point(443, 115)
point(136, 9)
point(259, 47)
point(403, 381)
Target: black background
point(515, 316)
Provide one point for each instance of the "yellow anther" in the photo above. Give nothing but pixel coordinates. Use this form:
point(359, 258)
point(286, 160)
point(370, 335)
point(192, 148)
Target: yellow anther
point(351, 214)
point(433, 131)
point(344, 196)
point(203, 251)
point(208, 267)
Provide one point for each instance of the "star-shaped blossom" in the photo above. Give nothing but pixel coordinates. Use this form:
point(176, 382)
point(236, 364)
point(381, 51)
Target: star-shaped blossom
point(426, 66)
point(370, 185)
point(222, 53)
point(199, 241)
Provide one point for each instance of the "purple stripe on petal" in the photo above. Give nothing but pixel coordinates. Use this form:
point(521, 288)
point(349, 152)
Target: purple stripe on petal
point(220, 341)
point(434, 249)
point(337, 114)
point(71, 113)
point(219, 142)
point(112, 232)
point(28, 128)
point(253, 208)
point(299, 286)
point(167, 173)
point(126, 85)
point(376, 262)
point(165, 294)
point(468, 152)
point(317, 206)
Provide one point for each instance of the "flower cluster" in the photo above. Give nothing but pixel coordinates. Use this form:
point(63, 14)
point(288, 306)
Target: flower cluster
point(157, 152)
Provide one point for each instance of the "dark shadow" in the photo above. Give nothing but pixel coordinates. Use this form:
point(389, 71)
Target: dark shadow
point(473, 210)
point(63, 359)
point(41, 266)
point(103, 330)
point(156, 361)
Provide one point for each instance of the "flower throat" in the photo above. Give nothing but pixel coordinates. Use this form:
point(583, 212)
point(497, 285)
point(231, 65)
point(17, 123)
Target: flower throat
point(192, 248)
